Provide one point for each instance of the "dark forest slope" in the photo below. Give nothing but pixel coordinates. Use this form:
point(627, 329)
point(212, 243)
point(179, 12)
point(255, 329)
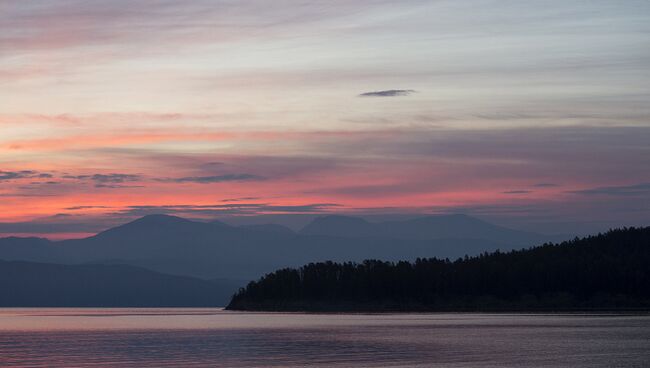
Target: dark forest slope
point(607, 271)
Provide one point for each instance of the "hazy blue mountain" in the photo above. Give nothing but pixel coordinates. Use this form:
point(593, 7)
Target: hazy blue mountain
point(336, 225)
point(29, 284)
point(269, 228)
point(429, 227)
point(178, 246)
point(33, 249)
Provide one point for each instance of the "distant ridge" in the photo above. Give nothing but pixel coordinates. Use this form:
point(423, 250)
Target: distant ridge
point(210, 250)
point(269, 228)
point(427, 227)
point(337, 225)
point(29, 284)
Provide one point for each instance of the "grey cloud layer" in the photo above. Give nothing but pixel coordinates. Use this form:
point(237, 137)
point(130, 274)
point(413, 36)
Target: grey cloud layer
point(225, 209)
point(22, 174)
point(214, 178)
point(105, 178)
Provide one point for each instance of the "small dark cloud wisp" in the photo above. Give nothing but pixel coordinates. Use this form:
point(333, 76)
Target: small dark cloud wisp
point(112, 181)
point(77, 208)
point(388, 93)
point(114, 178)
point(117, 186)
point(10, 175)
point(239, 199)
point(517, 192)
point(215, 178)
point(546, 185)
point(105, 178)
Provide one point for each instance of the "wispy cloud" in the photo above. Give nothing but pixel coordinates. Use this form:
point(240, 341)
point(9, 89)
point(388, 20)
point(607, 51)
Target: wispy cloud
point(22, 174)
point(388, 93)
point(624, 190)
point(214, 178)
point(239, 199)
point(214, 210)
point(77, 208)
point(517, 192)
point(114, 178)
point(179, 96)
point(117, 186)
point(546, 185)
point(111, 180)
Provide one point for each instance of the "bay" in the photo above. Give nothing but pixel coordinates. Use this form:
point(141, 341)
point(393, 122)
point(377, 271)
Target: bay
point(182, 337)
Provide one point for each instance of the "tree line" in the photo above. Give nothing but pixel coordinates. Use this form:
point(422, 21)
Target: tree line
point(604, 271)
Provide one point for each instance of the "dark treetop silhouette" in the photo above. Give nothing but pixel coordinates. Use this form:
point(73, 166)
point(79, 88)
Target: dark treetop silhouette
point(607, 271)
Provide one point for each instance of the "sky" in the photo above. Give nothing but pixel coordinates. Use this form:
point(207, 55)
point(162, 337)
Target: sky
point(530, 114)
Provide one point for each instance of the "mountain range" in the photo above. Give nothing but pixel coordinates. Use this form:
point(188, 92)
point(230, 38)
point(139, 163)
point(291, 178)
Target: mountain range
point(428, 227)
point(234, 254)
point(216, 250)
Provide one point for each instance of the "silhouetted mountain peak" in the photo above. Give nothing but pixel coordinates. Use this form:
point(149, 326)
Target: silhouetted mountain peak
point(152, 225)
point(159, 219)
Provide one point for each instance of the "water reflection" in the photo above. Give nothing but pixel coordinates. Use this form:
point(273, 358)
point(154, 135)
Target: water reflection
point(214, 338)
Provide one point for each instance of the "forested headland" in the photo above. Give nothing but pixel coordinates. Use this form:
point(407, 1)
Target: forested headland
point(608, 271)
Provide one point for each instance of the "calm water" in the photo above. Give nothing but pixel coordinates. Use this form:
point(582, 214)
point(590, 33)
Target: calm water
point(215, 338)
